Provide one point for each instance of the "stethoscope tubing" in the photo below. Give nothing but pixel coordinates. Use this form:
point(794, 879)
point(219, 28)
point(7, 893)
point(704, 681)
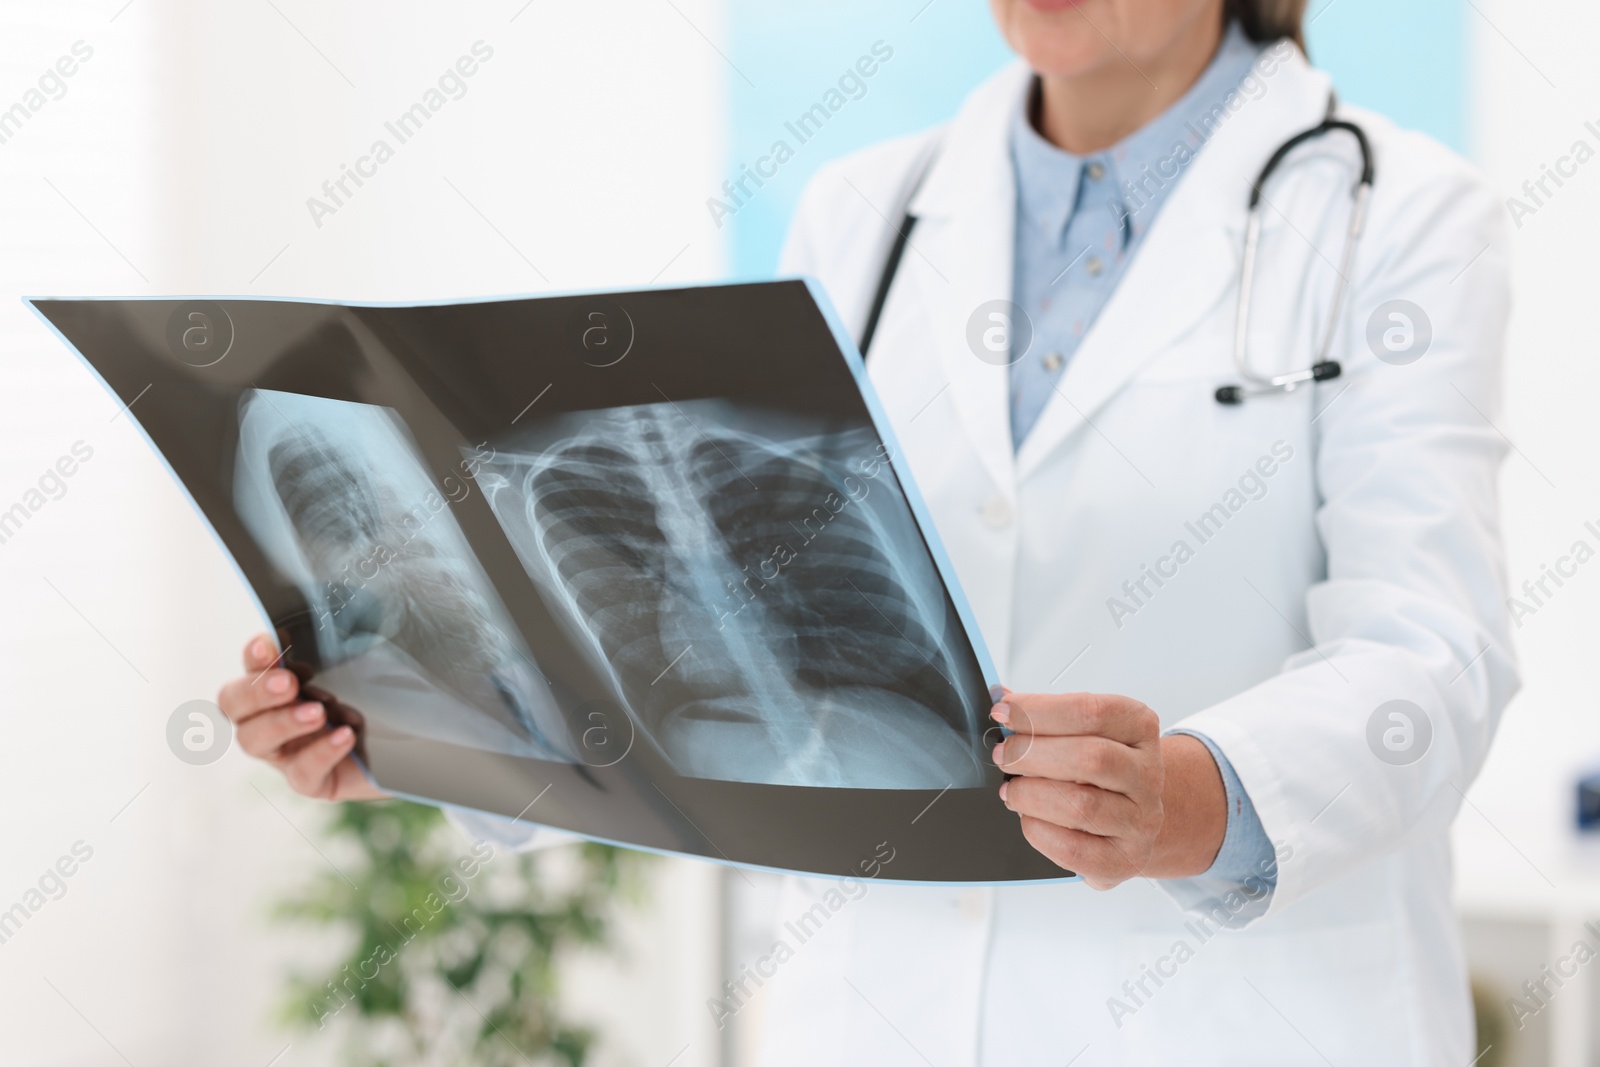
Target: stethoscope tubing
point(1322, 368)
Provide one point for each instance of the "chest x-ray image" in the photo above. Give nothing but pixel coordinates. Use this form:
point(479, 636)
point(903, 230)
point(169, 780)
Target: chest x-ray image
point(644, 566)
point(763, 606)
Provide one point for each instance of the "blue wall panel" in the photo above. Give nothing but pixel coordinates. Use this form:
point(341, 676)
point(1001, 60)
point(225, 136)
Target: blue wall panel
point(1406, 58)
point(795, 52)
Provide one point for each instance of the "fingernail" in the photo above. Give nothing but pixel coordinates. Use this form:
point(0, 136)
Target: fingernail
point(999, 753)
point(1001, 713)
point(278, 681)
point(343, 736)
point(308, 712)
point(259, 647)
point(1003, 786)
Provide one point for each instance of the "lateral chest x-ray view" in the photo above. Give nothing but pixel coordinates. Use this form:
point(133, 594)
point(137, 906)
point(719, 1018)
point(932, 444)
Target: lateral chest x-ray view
point(649, 558)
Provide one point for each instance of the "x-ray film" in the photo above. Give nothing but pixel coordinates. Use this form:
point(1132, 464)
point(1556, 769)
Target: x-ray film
point(643, 566)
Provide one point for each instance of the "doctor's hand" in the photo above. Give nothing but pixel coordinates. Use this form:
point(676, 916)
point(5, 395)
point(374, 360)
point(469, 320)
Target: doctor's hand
point(1103, 794)
point(275, 725)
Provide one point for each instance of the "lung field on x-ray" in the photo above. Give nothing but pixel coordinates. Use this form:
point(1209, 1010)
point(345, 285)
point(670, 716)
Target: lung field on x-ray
point(417, 596)
point(766, 617)
point(410, 630)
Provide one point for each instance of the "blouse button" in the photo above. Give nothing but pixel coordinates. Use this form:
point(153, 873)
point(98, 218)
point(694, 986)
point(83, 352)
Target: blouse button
point(1053, 362)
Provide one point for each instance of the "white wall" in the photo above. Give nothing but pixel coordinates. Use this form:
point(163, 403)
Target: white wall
point(1535, 88)
point(191, 141)
point(1550, 485)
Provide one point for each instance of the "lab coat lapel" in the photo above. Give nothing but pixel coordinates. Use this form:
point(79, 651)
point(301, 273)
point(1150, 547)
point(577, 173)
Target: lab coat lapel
point(959, 260)
point(1189, 262)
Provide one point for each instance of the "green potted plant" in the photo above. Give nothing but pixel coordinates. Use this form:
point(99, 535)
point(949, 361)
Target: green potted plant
point(453, 945)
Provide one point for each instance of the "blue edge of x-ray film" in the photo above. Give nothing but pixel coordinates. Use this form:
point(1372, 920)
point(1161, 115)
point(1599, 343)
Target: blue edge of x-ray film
point(880, 422)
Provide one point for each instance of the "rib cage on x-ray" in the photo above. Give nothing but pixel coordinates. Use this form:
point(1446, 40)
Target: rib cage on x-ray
point(405, 614)
point(823, 665)
point(417, 599)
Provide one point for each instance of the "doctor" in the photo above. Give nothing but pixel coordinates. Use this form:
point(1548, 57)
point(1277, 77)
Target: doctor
point(1279, 622)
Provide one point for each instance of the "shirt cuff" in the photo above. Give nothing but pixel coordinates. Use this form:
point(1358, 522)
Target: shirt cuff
point(1237, 888)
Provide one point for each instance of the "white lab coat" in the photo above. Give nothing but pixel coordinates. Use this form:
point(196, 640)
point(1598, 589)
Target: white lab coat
point(1377, 539)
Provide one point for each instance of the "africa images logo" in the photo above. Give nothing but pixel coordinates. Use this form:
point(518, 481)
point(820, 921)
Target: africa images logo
point(851, 85)
point(51, 485)
point(198, 732)
point(1399, 732)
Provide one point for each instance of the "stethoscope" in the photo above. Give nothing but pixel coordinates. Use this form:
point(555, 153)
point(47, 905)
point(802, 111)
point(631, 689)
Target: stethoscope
point(1322, 370)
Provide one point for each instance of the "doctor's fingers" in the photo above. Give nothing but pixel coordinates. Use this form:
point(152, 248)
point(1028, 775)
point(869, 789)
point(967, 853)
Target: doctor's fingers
point(264, 735)
point(250, 695)
point(1102, 861)
point(259, 653)
point(315, 768)
point(1066, 714)
point(1091, 760)
point(1078, 807)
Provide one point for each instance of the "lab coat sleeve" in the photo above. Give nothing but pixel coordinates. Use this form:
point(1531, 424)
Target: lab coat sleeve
point(507, 833)
point(847, 260)
point(803, 254)
point(799, 254)
point(1413, 605)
